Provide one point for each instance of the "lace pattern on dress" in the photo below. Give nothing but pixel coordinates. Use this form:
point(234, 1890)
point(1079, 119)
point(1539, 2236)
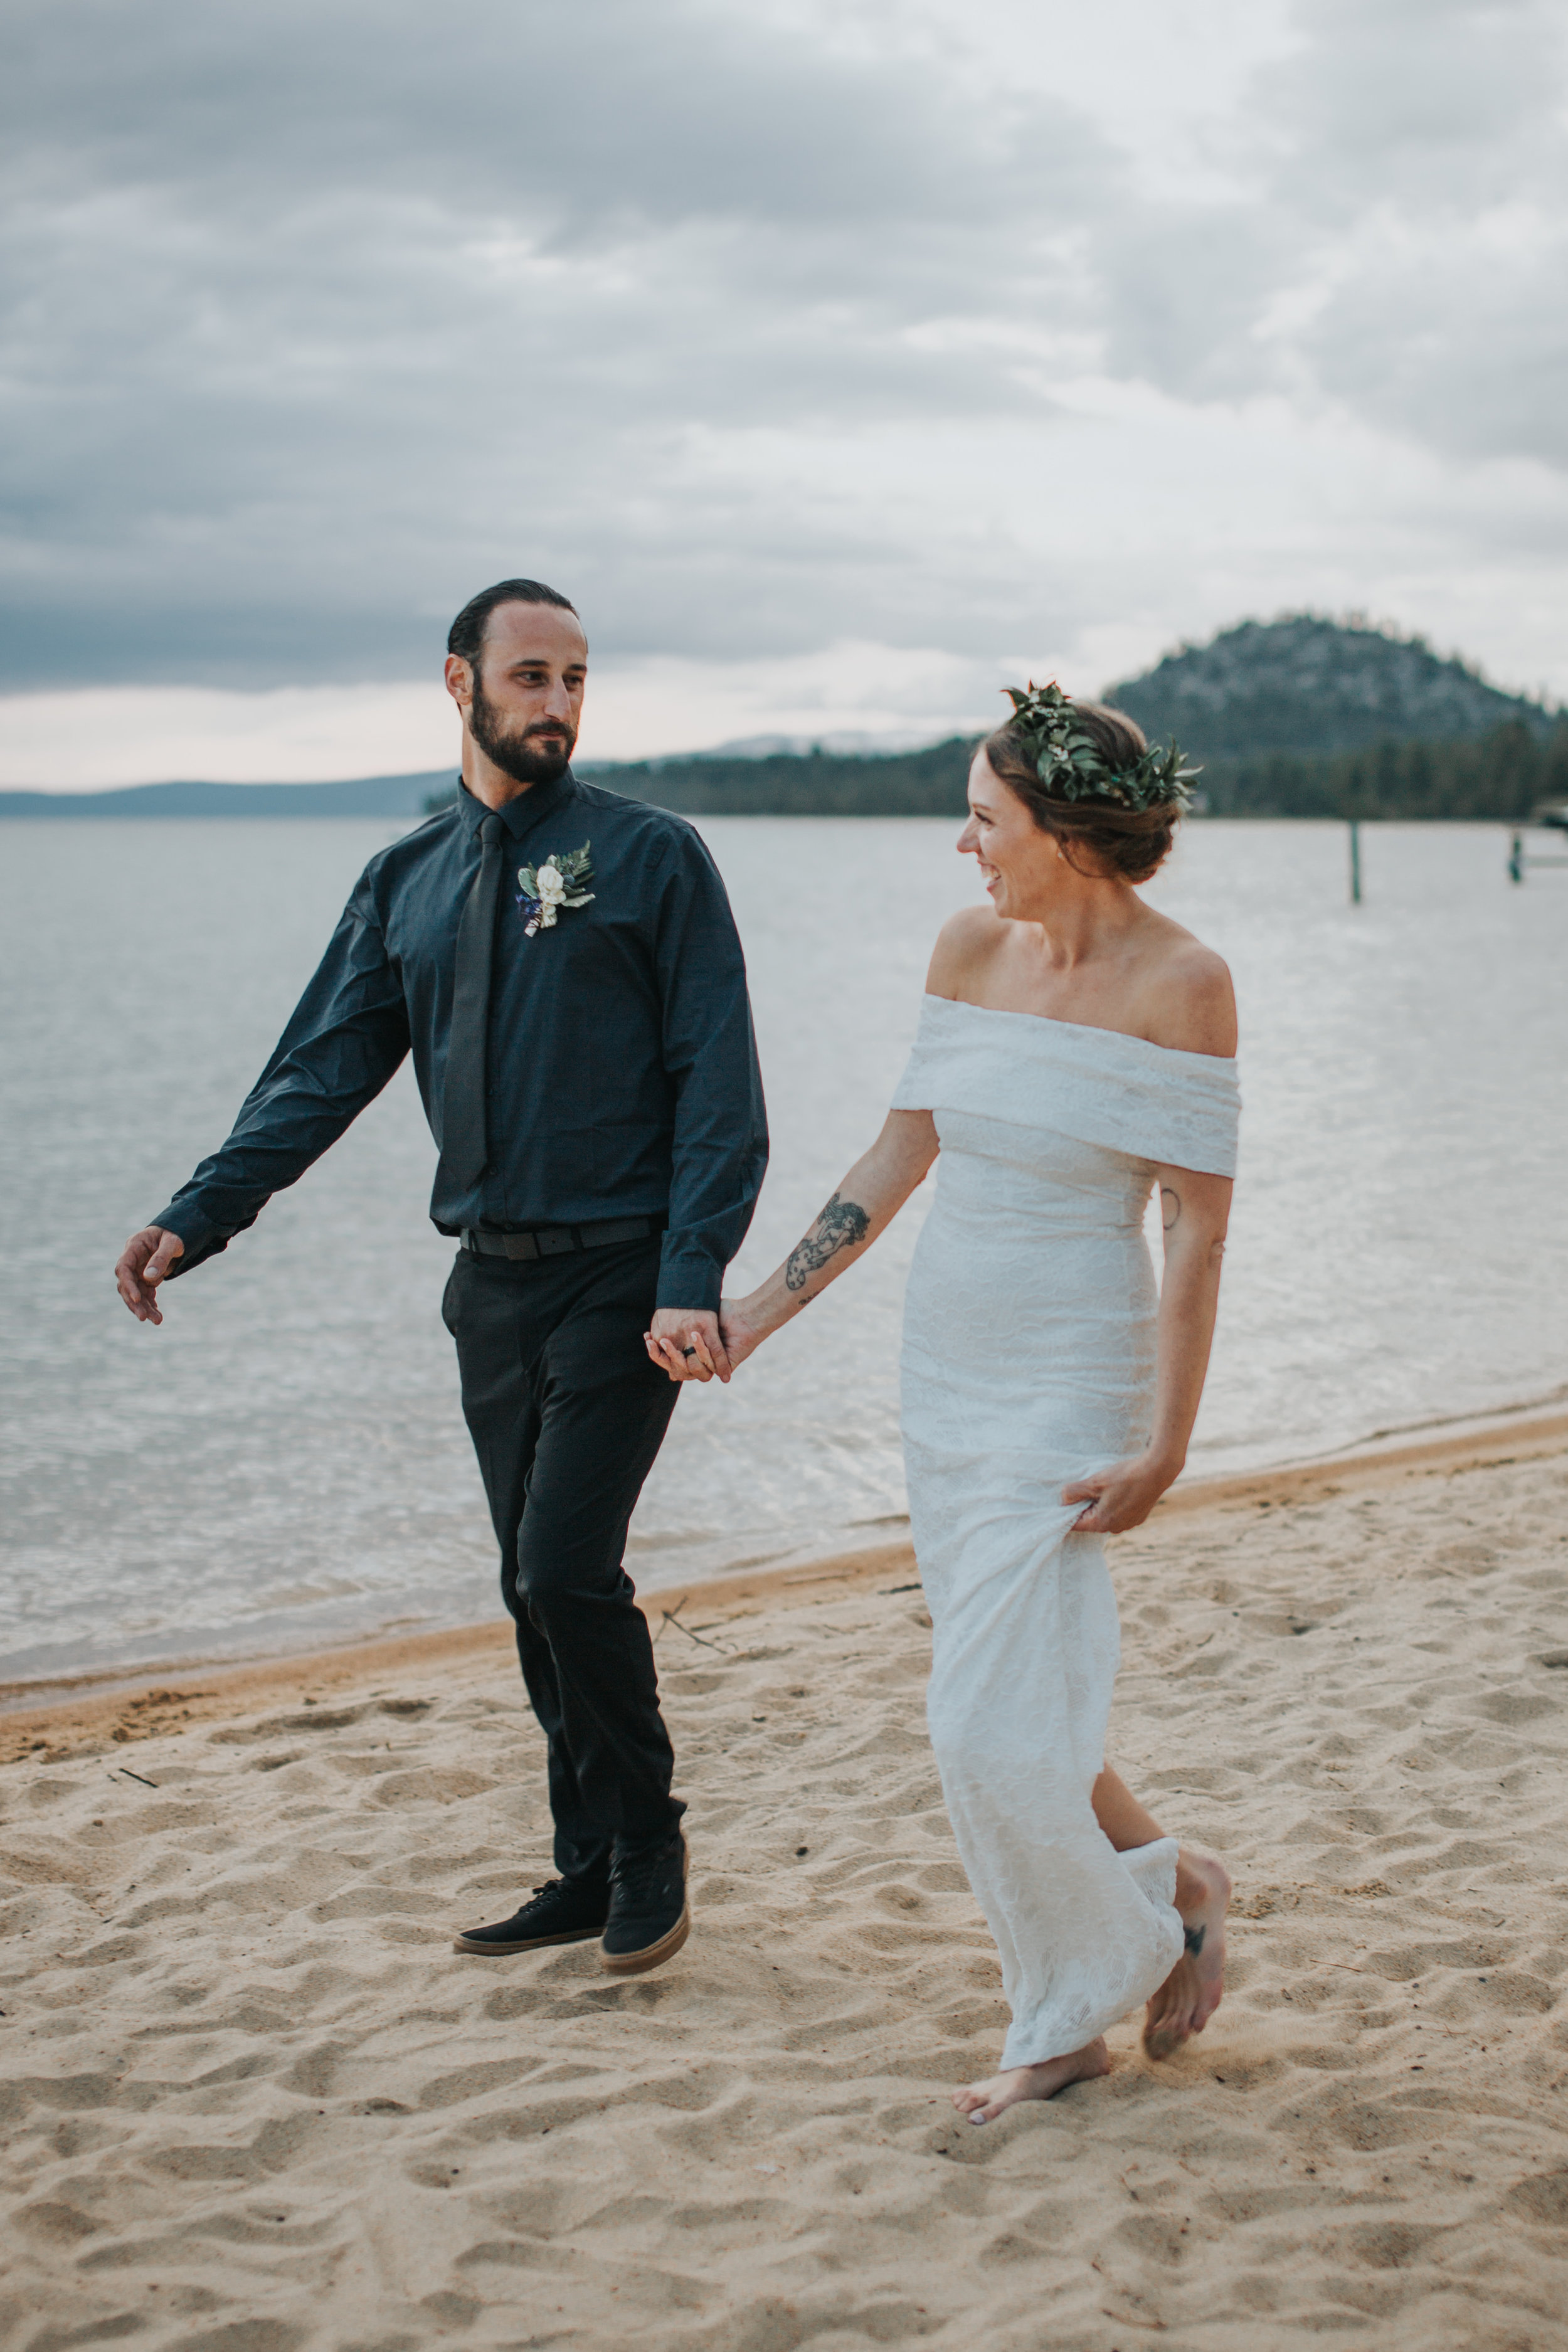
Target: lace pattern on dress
point(1028, 1359)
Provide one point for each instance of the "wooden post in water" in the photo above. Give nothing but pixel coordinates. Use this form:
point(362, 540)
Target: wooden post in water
point(1516, 858)
point(1355, 861)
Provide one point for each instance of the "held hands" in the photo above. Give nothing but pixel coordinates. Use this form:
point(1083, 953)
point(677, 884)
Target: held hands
point(685, 1342)
point(1121, 1496)
point(144, 1262)
point(693, 1347)
point(689, 1346)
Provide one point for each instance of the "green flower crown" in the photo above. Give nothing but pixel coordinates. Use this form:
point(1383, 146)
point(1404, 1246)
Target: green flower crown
point(1071, 765)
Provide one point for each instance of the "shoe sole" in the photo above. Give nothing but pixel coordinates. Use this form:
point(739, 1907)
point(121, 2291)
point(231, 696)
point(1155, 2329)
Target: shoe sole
point(483, 1946)
point(652, 1955)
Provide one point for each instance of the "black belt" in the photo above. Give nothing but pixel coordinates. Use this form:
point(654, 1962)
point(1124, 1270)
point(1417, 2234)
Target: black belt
point(555, 1241)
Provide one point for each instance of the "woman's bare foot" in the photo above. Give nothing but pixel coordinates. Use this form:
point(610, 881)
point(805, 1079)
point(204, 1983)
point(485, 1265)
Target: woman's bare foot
point(983, 2102)
point(1191, 1993)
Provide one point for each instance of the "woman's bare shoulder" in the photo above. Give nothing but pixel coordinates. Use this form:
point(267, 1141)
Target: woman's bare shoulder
point(964, 945)
point(1189, 997)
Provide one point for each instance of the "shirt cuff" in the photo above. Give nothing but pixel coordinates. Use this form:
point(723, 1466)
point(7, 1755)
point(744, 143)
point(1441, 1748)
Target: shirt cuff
point(202, 1238)
point(688, 1276)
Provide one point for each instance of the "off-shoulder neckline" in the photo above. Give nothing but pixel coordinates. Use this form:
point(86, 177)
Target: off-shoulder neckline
point(1085, 1029)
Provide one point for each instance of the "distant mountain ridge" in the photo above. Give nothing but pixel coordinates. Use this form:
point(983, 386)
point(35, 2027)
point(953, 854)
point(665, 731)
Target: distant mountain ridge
point(1298, 717)
point(355, 797)
point(843, 742)
point(1307, 685)
point(407, 795)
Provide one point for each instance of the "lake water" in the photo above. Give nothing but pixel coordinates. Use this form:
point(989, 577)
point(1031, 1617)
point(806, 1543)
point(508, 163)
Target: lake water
point(284, 1463)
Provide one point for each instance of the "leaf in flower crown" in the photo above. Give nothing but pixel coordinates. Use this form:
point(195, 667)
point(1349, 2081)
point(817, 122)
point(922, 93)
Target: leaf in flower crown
point(1070, 763)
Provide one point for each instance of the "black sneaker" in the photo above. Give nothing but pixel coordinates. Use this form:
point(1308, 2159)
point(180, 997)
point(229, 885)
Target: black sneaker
point(650, 1920)
point(563, 1911)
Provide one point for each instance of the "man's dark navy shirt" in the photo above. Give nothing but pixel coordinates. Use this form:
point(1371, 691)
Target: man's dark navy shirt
point(621, 1064)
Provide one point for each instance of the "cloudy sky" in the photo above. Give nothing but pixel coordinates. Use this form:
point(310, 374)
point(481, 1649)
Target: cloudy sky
point(838, 357)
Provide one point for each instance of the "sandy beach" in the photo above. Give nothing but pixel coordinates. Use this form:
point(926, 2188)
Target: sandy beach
point(253, 2101)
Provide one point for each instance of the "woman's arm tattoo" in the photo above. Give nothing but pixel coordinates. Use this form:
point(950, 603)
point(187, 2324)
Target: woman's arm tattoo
point(1171, 1217)
point(843, 1224)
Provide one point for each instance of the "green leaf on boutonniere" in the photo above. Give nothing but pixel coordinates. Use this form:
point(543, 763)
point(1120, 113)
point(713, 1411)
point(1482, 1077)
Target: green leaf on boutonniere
point(555, 883)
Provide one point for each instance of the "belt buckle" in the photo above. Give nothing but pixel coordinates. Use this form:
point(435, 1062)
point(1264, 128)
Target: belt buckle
point(520, 1245)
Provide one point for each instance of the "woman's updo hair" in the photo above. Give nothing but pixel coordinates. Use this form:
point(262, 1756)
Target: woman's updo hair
point(1129, 844)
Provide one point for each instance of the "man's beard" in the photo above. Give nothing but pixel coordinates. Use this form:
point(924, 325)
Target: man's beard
point(533, 755)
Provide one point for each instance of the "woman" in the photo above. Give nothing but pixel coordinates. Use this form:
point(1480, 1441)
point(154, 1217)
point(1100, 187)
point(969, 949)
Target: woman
point(1075, 1047)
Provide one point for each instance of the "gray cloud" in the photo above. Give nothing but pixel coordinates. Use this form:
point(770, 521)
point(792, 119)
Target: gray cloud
point(321, 315)
point(1405, 250)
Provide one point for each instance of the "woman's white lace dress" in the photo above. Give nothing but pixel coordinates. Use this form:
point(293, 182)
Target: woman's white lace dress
point(1029, 1360)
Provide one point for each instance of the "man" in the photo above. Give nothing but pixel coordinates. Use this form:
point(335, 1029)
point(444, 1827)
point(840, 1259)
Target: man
point(563, 965)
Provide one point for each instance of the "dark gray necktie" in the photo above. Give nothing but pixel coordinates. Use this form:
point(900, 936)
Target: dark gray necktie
point(464, 1150)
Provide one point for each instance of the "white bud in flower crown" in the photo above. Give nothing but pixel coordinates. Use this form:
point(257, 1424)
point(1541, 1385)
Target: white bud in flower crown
point(552, 885)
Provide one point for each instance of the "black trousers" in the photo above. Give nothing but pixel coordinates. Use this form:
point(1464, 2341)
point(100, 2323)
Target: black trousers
point(566, 1415)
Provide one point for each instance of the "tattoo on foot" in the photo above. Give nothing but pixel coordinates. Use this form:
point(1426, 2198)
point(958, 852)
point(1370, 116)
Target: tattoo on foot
point(1194, 1939)
point(843, 1224)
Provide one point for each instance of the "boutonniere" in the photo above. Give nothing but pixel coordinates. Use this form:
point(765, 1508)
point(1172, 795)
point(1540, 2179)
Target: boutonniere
point(557, 883)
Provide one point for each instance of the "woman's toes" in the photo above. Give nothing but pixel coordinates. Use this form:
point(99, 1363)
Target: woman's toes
point(983, 2102)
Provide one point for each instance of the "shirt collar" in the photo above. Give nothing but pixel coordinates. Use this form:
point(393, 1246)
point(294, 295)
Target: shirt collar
point(520, 816)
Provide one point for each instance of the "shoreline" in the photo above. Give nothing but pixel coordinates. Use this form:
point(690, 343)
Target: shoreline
point(254, 2097)
point(132, 1703)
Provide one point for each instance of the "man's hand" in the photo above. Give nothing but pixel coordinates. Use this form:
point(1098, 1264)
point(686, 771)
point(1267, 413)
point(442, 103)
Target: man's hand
point(685, 1343)
point(1121, 1496)
point(144, 1262)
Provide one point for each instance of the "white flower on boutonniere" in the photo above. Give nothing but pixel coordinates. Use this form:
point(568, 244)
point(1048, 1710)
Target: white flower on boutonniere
point(556, 883)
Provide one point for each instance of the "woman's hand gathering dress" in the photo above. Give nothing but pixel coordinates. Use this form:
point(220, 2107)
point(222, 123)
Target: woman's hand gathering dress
point(1029, 1360)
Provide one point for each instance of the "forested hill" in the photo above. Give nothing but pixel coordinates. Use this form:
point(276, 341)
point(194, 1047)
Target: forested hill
point(1500, 776)
point(1311, 685)
point(1291, 718)
point(811, 783)
point(1299, 716)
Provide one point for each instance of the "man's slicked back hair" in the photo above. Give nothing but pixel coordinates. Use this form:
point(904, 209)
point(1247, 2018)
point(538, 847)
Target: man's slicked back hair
point(466, 636)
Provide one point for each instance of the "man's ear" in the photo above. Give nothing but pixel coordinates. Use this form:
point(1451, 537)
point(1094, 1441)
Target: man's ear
point(459, 677)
